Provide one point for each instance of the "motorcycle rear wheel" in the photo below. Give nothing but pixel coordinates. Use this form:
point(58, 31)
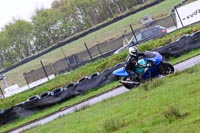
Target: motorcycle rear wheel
point(128, 85)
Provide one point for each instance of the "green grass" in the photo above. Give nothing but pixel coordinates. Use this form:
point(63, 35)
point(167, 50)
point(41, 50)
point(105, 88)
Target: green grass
point(115, 30)
point(170, 104)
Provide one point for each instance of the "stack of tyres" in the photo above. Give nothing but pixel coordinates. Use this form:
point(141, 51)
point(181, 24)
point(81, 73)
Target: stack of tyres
point(67, 93)
point(31, 102)
point(106, 76)
point(7, 115)
point(82, 85)
point(194, 40)
point(56, 94)
point(46, 99)
point(92, 82)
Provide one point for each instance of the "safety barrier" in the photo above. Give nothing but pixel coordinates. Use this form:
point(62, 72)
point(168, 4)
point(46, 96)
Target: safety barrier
point(180, 46)
point(45, 99)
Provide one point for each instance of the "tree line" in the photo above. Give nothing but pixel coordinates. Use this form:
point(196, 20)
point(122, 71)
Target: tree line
point(20, 39)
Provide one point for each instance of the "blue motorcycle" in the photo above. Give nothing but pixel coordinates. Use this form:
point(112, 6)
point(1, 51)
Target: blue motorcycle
point(150, 66)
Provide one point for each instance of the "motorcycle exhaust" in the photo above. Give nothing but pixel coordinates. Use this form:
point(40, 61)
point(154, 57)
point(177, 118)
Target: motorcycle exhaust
point(129, 82)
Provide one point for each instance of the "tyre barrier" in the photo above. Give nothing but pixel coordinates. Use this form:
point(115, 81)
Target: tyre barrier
point(68, 92)
point(31, 102)
point(108, 76)
point(6, 116)
point(195, 37)
point(33, 98)
point(83, 79)
point(14, 113)
point(102, 78)
point(61, 94)
point(19, 104)
point(46, 99)
point(94, 75)
point(56, 92)
point(45, 94)
point(182, 45)
point(119, 65)
point(106, 71)
point(94, 81)
point(3, 111)
point(83, 85)
point(71, 85)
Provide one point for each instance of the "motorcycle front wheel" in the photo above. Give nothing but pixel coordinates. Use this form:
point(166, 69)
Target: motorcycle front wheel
point(166, 68)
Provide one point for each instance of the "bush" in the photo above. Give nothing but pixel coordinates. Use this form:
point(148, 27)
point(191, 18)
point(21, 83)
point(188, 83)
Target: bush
point(112, 124)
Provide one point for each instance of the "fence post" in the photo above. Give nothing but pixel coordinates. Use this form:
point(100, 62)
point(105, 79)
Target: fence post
point(67, 65)
point(99, 49)
point(178, 16)
point(44, 70)
point(2, 92)
point(173, 20)
point(26, 80)
point(134, 34)
point(88, 51)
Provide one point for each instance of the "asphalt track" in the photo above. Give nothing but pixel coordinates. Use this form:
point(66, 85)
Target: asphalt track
point(114, 92)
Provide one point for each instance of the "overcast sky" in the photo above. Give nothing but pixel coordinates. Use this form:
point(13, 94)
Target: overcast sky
point(22, 9)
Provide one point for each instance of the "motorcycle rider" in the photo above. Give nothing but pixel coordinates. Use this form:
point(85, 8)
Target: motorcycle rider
point(131, 62)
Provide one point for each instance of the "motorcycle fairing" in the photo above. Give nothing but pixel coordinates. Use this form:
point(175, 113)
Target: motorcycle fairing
point(121, 72)
point(154, 57)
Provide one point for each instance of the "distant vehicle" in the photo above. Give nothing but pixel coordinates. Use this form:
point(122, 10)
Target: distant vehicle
point(143, 36)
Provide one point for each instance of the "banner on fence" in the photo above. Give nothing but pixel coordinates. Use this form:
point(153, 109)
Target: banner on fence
point(188, 14)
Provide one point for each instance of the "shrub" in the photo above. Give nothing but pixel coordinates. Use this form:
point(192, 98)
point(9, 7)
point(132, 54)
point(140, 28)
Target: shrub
point(172, 114)
point(112, 124)
point(153, 84)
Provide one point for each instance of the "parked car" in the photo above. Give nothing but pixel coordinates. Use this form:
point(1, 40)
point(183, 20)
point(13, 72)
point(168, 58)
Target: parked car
point(143, 36)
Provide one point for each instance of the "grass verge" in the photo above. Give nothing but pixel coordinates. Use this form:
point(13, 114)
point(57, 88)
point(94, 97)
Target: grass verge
point(170, 107)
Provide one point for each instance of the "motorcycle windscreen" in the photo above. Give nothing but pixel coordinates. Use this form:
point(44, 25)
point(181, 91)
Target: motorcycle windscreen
point(121, 72)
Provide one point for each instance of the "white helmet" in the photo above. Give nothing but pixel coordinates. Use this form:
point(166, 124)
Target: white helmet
point(133, 51)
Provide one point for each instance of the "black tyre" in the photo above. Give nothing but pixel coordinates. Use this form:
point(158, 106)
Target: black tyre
point(81, 80)
point(3, 110)
point(33, 98)
point(166, 68)
point(45, 94)
point(93, 75)
point(71, 85)
point(57, 91)
point(129, 86)
point(19, 104)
